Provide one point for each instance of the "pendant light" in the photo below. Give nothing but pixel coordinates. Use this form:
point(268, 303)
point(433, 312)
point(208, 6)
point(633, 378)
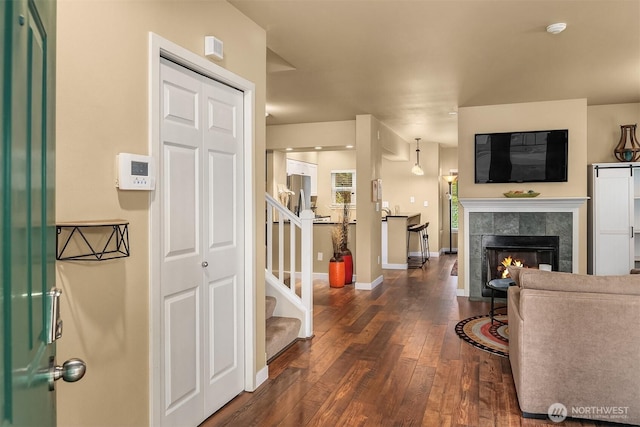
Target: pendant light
point(416, 169)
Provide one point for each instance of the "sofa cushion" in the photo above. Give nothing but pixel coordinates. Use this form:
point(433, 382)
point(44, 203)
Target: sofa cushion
point(529, 278)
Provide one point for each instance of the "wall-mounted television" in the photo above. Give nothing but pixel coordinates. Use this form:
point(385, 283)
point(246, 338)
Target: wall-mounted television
point(537, 156)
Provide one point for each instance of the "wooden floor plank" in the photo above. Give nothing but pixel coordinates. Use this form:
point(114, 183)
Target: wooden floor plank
point(387, 357)
point(414, 402)
point(350, 386)
point(415, 342)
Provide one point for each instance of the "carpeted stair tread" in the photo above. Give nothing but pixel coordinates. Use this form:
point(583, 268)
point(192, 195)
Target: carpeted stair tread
point(281, 332)
point(270, 306)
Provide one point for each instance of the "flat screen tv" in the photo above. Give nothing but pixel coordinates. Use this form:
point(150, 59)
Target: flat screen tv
point(538, 156)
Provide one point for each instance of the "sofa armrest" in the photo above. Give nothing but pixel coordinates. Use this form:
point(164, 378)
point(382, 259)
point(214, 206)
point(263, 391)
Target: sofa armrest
point(515, 334)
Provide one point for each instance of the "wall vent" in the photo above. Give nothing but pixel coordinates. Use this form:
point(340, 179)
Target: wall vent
point(213, 47)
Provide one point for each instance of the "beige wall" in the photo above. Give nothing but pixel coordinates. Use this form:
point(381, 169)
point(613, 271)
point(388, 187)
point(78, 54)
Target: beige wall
point(399, 185)
point(304, 156)
point(369, 235)
point(603, 124)
point(304, 135)
point(569, 114)
point(368, 135)
point(276, 171)
point(102, 105)
point(327, 162)
point(333, 136)
point(397, 157)
point(393, 147)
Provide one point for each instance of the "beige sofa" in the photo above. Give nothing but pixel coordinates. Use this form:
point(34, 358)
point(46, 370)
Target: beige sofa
point(575, 340)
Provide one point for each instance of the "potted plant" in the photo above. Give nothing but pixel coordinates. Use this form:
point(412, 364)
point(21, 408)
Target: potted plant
point(336, 264)
point(344, 250)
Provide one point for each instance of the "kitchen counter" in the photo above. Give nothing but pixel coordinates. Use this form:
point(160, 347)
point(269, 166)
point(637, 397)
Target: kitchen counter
point(394, 239)
point(321, 220)
point(328, 221)
point(408, 215)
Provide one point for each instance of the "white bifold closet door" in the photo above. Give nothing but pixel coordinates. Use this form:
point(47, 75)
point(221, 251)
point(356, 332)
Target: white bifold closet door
point(200, 181)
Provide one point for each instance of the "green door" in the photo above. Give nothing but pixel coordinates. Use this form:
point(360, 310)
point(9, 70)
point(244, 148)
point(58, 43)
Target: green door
point(27, 257)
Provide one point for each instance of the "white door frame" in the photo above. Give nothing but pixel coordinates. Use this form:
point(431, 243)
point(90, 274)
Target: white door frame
point(158, 47)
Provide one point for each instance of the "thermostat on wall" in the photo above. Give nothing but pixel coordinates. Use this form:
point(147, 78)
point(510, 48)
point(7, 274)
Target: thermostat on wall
point(135, 172)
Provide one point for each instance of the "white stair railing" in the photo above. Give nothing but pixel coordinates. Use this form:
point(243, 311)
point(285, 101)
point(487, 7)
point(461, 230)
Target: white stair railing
point(283, 280)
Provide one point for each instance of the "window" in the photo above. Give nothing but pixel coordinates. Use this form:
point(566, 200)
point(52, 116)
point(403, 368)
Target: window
point(454, 200)
point(454, 205)
point(343, 187)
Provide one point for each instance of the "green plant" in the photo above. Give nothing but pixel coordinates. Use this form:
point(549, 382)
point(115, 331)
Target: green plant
point(336, 239)
point(340, 231)
point(344, 224)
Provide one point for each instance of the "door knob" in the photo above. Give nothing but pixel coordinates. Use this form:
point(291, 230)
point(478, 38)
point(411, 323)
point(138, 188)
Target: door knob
point(71, 371)
point(205, 264)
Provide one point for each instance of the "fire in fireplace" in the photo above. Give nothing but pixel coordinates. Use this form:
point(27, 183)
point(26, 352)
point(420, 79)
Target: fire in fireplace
point(503, 267)
point(499, 252)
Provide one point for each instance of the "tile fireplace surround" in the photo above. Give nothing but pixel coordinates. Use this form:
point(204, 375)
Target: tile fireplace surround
point(540, 216)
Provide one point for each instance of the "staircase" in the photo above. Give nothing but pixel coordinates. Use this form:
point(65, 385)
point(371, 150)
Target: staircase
point(288, 278)
point(281, 331)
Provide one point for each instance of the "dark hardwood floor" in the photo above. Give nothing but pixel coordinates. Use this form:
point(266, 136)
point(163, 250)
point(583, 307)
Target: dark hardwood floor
point(387, 357)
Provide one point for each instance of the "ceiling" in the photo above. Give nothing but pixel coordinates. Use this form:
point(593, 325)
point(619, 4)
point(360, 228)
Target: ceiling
point(413, 63)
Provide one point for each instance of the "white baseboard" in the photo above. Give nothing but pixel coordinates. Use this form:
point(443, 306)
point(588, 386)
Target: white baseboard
point(419, 254)
point(395, 266)
point(361, 286)
point(261, 376)
point(321, 276)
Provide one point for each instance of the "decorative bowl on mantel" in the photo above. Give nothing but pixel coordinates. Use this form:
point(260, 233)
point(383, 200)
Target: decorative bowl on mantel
point(518, 193)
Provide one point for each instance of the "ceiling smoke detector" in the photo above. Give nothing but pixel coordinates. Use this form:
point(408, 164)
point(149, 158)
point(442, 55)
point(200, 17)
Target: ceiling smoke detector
point(556, 28)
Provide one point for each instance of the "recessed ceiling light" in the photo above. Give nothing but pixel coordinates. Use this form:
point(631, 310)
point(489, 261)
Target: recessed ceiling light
point(289, 149)
point(453, 113)
point(318, 148)
point(349, 146)
point(556, 28)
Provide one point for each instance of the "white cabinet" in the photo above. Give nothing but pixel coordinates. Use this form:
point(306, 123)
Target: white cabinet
point(296, 167)
point(614, 218)
point(636, 220)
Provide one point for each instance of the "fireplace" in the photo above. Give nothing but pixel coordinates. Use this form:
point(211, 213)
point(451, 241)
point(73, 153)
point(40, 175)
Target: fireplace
point(501, 251)
point(530, 216)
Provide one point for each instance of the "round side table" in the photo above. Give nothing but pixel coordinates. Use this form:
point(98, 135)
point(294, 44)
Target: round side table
point(498, 285)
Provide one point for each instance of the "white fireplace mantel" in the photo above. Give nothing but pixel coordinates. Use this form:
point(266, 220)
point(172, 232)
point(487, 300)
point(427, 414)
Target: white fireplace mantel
point(521, 204)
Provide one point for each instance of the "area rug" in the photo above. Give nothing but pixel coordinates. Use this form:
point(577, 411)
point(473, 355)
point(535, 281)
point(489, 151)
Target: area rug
point(479, 332)
point(454, 269)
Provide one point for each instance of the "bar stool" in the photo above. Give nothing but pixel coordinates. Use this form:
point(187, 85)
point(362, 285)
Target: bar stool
point(425, 242)
point(421, 230)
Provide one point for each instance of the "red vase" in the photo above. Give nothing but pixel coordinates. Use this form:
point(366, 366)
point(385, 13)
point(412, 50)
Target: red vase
point(348, 265)
point(336, 272)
